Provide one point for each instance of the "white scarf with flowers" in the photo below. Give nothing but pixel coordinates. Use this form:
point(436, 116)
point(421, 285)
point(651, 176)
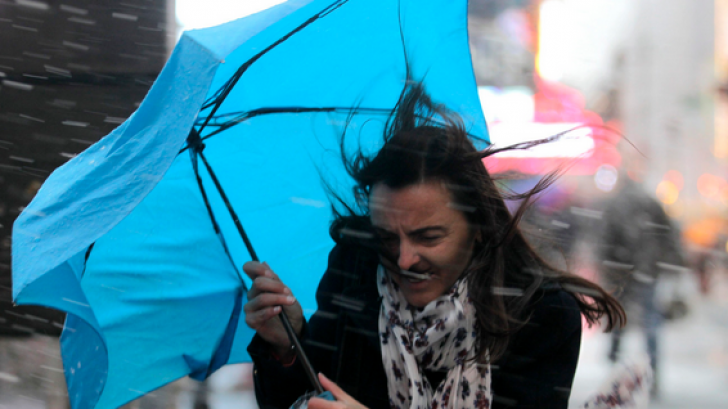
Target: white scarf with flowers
point(439, 337)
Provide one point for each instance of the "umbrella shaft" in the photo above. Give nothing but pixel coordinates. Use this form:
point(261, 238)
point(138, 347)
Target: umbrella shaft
point(300, 354)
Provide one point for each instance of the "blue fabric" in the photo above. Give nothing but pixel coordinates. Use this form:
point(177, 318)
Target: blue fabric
point(159, 296)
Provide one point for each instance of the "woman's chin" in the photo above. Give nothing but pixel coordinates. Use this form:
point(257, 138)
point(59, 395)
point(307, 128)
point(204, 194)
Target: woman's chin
point(418, 294)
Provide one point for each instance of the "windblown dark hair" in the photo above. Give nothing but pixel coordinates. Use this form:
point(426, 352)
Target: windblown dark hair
point(426, 142)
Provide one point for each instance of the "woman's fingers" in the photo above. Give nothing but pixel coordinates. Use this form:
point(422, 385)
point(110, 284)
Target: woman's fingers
point(255, 269)
point(264, 279)
point(343, 400)
point(267, 305)
point(332, 387)
point(256, 319)
point(266, 300)
point(270, 271)
point(267, 285)
point(318, 403)
point(267, 297)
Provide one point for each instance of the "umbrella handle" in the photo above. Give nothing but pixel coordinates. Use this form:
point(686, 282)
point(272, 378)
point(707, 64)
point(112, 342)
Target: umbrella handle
point(307, 367)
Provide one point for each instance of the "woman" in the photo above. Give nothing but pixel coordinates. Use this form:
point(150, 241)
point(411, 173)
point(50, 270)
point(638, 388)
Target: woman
point(429, 284)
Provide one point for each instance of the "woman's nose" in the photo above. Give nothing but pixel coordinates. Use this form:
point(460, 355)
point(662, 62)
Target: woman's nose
point(408, 256)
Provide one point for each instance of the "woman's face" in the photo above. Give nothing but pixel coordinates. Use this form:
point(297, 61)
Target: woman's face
point(421, 231)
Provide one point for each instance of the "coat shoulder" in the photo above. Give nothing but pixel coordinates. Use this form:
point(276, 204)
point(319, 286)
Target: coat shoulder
point(556, 308)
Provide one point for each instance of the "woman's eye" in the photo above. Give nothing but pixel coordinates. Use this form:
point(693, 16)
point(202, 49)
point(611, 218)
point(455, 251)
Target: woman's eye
point(389, 245)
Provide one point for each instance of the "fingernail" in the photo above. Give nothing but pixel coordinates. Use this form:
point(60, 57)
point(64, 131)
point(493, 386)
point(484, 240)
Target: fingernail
point(276, 309)
point(287, 290)
point(291, 299)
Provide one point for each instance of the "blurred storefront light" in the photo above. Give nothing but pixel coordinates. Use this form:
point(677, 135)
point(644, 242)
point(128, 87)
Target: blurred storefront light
point(511, 113)
point(606, 178)
point(518, 115)
point(713, 187)
point(667, 192)
point(553, 35)
point(675, 210)
point(192, 14)
point(676, 178)
point(575, 141)
point(509, 104)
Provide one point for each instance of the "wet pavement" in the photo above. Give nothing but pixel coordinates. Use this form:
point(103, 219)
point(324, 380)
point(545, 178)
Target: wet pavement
point(694, 350)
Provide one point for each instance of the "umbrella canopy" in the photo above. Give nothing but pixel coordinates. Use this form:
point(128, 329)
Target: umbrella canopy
point(131, 237)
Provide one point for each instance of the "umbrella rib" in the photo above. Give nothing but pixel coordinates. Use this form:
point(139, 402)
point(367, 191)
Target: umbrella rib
point(233, 214)
point(230, 84)
point(214, 99)
point(195, 140)
point(242, 117)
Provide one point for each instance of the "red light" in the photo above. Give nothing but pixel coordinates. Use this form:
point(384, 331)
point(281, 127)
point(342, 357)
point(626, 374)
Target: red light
point(712, 187)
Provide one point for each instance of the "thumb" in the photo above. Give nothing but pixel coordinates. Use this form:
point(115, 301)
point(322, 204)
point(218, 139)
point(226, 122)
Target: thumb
point(335, 390)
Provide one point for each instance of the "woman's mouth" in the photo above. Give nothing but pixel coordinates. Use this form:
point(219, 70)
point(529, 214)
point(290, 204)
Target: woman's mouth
point(414, 277)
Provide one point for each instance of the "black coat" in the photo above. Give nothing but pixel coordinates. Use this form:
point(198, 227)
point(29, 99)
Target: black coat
point(341, 340)
point(638, 241)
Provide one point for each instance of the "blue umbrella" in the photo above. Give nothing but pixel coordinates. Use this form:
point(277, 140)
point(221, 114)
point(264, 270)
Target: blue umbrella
point(132, 237)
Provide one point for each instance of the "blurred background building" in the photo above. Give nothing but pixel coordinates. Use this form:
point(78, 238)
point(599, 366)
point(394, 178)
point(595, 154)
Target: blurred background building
point(70, 72)
point(653, 71)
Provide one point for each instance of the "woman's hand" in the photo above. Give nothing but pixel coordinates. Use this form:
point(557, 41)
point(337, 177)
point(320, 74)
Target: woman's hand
point(266, 297)
point(343, 400)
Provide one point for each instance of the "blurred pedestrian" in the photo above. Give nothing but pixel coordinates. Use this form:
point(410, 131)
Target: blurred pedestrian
point(638, 243)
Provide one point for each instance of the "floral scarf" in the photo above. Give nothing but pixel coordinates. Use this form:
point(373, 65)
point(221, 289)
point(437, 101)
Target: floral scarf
point(439, 337)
